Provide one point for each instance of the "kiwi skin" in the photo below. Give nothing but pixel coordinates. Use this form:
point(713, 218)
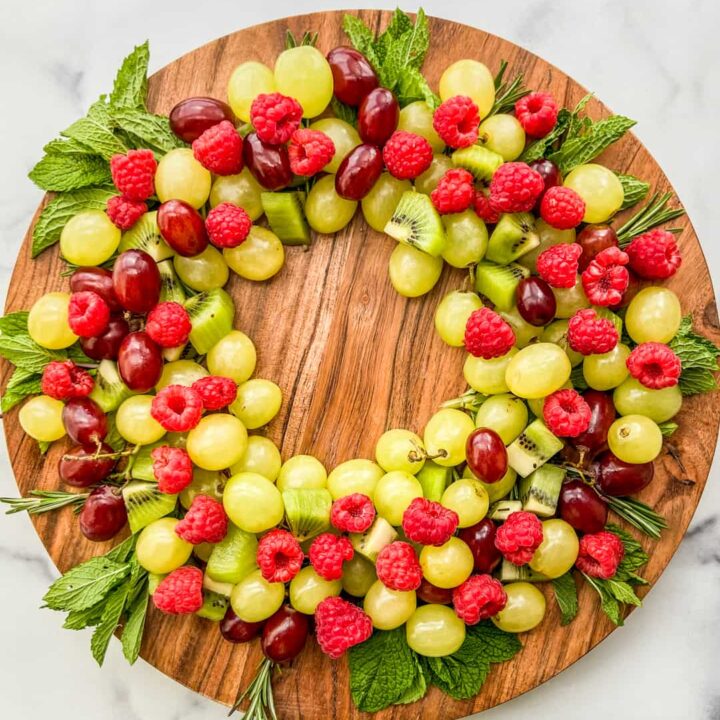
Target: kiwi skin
point(211, 315)
point(498, 283)
point(532, 448)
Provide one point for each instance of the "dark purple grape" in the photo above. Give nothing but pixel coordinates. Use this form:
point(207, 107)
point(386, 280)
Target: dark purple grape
point(84, 421)
point(79, 468)
point(580, 506)
point(593, 239)
point(550, 174)
point(618, 478)
point(98, 280)
point(182, 228)
point(480, 538)
point(107, 345)
point(602, 416)
point(378, 116)
point(269, 164)
point(191, 117)
point(235, 630)
point(284, 634)
point(353, 76)
point(536, 302)
point(429, 593)
point(486, 455)
point(104, 515)
point(358, 172)
point(136, 280)
point(140, 362)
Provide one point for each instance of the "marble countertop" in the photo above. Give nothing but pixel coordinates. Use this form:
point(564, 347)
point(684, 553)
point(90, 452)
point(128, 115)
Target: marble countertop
point(654, 60)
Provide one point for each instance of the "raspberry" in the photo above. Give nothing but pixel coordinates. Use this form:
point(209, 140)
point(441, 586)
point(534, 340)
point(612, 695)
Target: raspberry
point(227, 225)
point(600, 554)
point(654, 365)
point(216, 392)
point(310, 151)
point(177, 408)
point(88, 313)
point(339, 625)
point(279, 556)
point(558, 265)
point(353, 513)
point(134, 173)
point(454, 193)
point(566, 413)
point(456, 121)
point(479, 598)
point(589, 334)
point(204, 522)
point(562, 208)
point(537, 113)
point(407, 155)
point(654, 255)
point(429, 523)
point(515, 187)
point(168, 324)
point(606, 278)
point(519, 537)
point(65, 380)
point(327, 554)
point(123, 212)
point(180, 593)
point(172, 469)
point(275, 117)
point(219, 149)
point(487, 335)
point(398, 568)
point(484, 210)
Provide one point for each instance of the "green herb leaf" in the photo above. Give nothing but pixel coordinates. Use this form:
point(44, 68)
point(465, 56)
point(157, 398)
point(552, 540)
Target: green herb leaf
point(42, 501)
point(124, 551)
point(344, 112)
point(565, 592)
point(639, 515)
point(16, 322)
point(81, 619)
point(109, 622)
point(95, 131)
point(507, 93)
point(413, 86)
point(135, 626)
point(361, 36)
point(23, 352)
point(130, 87)
point(70, 171)
point(577, 378)
point(655, 213)
point(668, 428)
point(147, 130)
point(634, 190)
point(418, 688)
point(699, 359)
point(21, 384)
point(540, 148)
point(695, 381)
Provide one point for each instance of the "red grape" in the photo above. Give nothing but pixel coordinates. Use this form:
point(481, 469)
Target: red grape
point(633, 288)
point(535, 301)
point(353, 76)
point(429, 593)
point(106, 345)
point(480, 538)
point(82, 471)
point(84, 421)
point(486, 455)
point(269, 164)
point(594, 239)
point(580, 506)
point(140, 362)
point(191, 117)
point(602, 417)
point(378, 116)
point(136, 281)
point(98, 280)
point(104, 515)
point(550, 174)
point(617, 478)
point(284, 634)
point(358, 172)
point(182, 228)
point(235, 630)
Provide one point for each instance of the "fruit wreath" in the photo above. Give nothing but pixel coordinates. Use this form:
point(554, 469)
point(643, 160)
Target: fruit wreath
point(429, 555)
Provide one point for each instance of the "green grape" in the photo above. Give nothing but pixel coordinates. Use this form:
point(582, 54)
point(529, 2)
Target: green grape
point(556, 332)
point(389, 609)
point(435, 631)
point(259, 258)
point(452, 314)
point(445, 436)
point(538, 370)
point(302, 472)
point(570, 300)
point(412, 272)
point(467, 239)
point(217, 442)
point(600, 188)
point(261, 457)
point(488, 376)
point(549, 236)
point(304, 73)
point(500, 489)
point(428, 181)
point(135, 423)
point(358, 576)
point(504, 135)
point(179, 176)
point(525, 333)
point(417, 117)
point(204, 482)
point(344, 136)
point(48, 321)
point(234, 356)
point(308, 590)
point(248, 80)
point(653, 315)
point(633, 398)
point(558, 551)
point(203, 272)
point(180, 372)
point(354, 476)
point(448, 565)
point(252, 502)
point(607, 370)
point(468, 499)
point(471, 78)
point(635, 439)
point(89, 238)
point(506, 414)
point(242, 190)
point(380, 203)
point(536, 405)
point(393, 493)
point(254, 599)
point(524, 610)
point(257, 403)
point(400, 450)
point(325, 210)
point(41, 418)
point(160, 549)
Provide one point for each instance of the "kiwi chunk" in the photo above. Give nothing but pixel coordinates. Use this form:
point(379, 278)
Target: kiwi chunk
point(434, 479)
point(503, 508)
point(171, 289)
point(145, 503)
point(284, 211)
point(532, 448)
point(211, 315)
point(142, 464)
point(513, 573)
point(233, 558)
point(109, 390)
point(221, 588)
point(498, 283)
point(513, 236)
point(145, 235)
point(380, 534)
point(479, 161)
point(307, 511)
point(540, 490)
point(214, 606)
point(416, 222)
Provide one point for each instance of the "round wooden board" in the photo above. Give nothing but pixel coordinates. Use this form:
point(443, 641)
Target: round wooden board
point(353, 358)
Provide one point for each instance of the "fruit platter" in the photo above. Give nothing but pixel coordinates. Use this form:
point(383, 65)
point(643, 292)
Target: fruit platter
point(356, 363)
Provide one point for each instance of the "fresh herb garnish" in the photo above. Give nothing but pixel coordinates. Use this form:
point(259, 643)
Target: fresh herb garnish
point(698, 357)
point(634, 190)
point(260, 694)
point(507, 93)
point(565, 592)
point(42, 501)
point(668, 428)
point(655, 213)
point(638, 514)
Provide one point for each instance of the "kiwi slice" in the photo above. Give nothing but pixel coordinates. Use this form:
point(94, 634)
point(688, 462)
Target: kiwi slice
point(380, 534)
point(498, 283)
point(307, 511)
point(221, 588)
point(479, 161)
point(145, 503)
point(109, 390)
point(285, 214)
point(434, 479)
point(233, 558)
point(211, 315)
point(540, 490)
point(513, 236)
point(171, 289)
point(512, 573)
point(214, 606)
point(145, 235)
point(500, 510)
point(416, 222)
point(532, 448)
point(142, 464)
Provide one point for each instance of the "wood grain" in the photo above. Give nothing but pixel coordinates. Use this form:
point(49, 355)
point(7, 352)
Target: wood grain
point(353, 359)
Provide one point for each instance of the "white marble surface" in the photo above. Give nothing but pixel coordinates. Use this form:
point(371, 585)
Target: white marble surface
point(655, 60)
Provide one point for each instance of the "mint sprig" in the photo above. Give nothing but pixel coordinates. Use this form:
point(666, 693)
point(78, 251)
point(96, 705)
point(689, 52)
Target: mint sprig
point(565, 592)
point(698, 357)
point(634, 190)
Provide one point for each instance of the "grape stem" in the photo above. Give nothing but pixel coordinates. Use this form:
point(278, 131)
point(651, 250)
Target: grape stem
point(100, 456)
point(260, 694)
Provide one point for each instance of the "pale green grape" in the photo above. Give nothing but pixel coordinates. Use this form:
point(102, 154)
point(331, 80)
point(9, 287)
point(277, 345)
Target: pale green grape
point(653, 315)
point(452, 314)
point(504, 135)
point(445, 436)
point(242, 190)
point(257, 403)
point(435, 631)
point(380, 203)
point(393, 493)
point(488, 376)
point(203, 551)
point(556, 332)
point(325, 210)
point(179, 176)
point(48, 321)
point(204, 482)
point(89, 238)
point(607, 370)
point(558, 551)
point(252, 502)
point(525, 333)
point(160, 549)
point(600, 188)
point(180, 372)
point(536, 405)
point(259, 258)
point(354, 476)
point(388, 609)
point(468, 499)
point(203, 272)
point(254, 599)
point(135, 423)
point(538, 370)
point(308, 590)
point(471, 78)
point(217, 442)
point(570, 300)
point(448, 565)
point(413, 272)
point(261, 457)
point(500, 489)
point(358, 576)
point(467, 239)
point(234, 356)
point(400, 450)
point(549, 236)
point(344, 136)
point(302, 472)
point(304, 73)
point(635, 439)
point(248, 80)
point(524, 610)
point(506, 414)
point(417, 117)
point(633, 398)
point(427, 181)
point(41, 418)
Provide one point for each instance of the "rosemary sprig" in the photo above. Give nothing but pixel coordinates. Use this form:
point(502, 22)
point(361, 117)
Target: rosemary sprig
point(260, 694)
point(655, 213)
point(42, 501)
point(469, 400)
point(507, 93)
point(638, 514)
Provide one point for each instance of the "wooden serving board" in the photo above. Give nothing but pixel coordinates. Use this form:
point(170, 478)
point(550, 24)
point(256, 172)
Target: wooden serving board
point(353, 359)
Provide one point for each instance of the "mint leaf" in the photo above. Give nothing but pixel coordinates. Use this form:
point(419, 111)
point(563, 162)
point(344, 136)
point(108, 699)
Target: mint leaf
point(566, 596)
point(413, 86)
point(362, 38)
point(147, 130)
point(344, 112)
point(668, 428)
point(695, 381)
point(418, 688)
point(634, 190)
point(416, 41)
point(21, 384)
point(124, 551)
point(109, 622)
point(95, 131)
point(25, 353)
point(130, 87)
point(81, 619)
point(699, 359)
point(135, 626)
point(70, 171)
point(16, 322)
point(623, 592)
point(577, 377)
point(540, 148)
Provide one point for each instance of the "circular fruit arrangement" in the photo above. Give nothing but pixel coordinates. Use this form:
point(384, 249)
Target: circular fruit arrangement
point(424, 563)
